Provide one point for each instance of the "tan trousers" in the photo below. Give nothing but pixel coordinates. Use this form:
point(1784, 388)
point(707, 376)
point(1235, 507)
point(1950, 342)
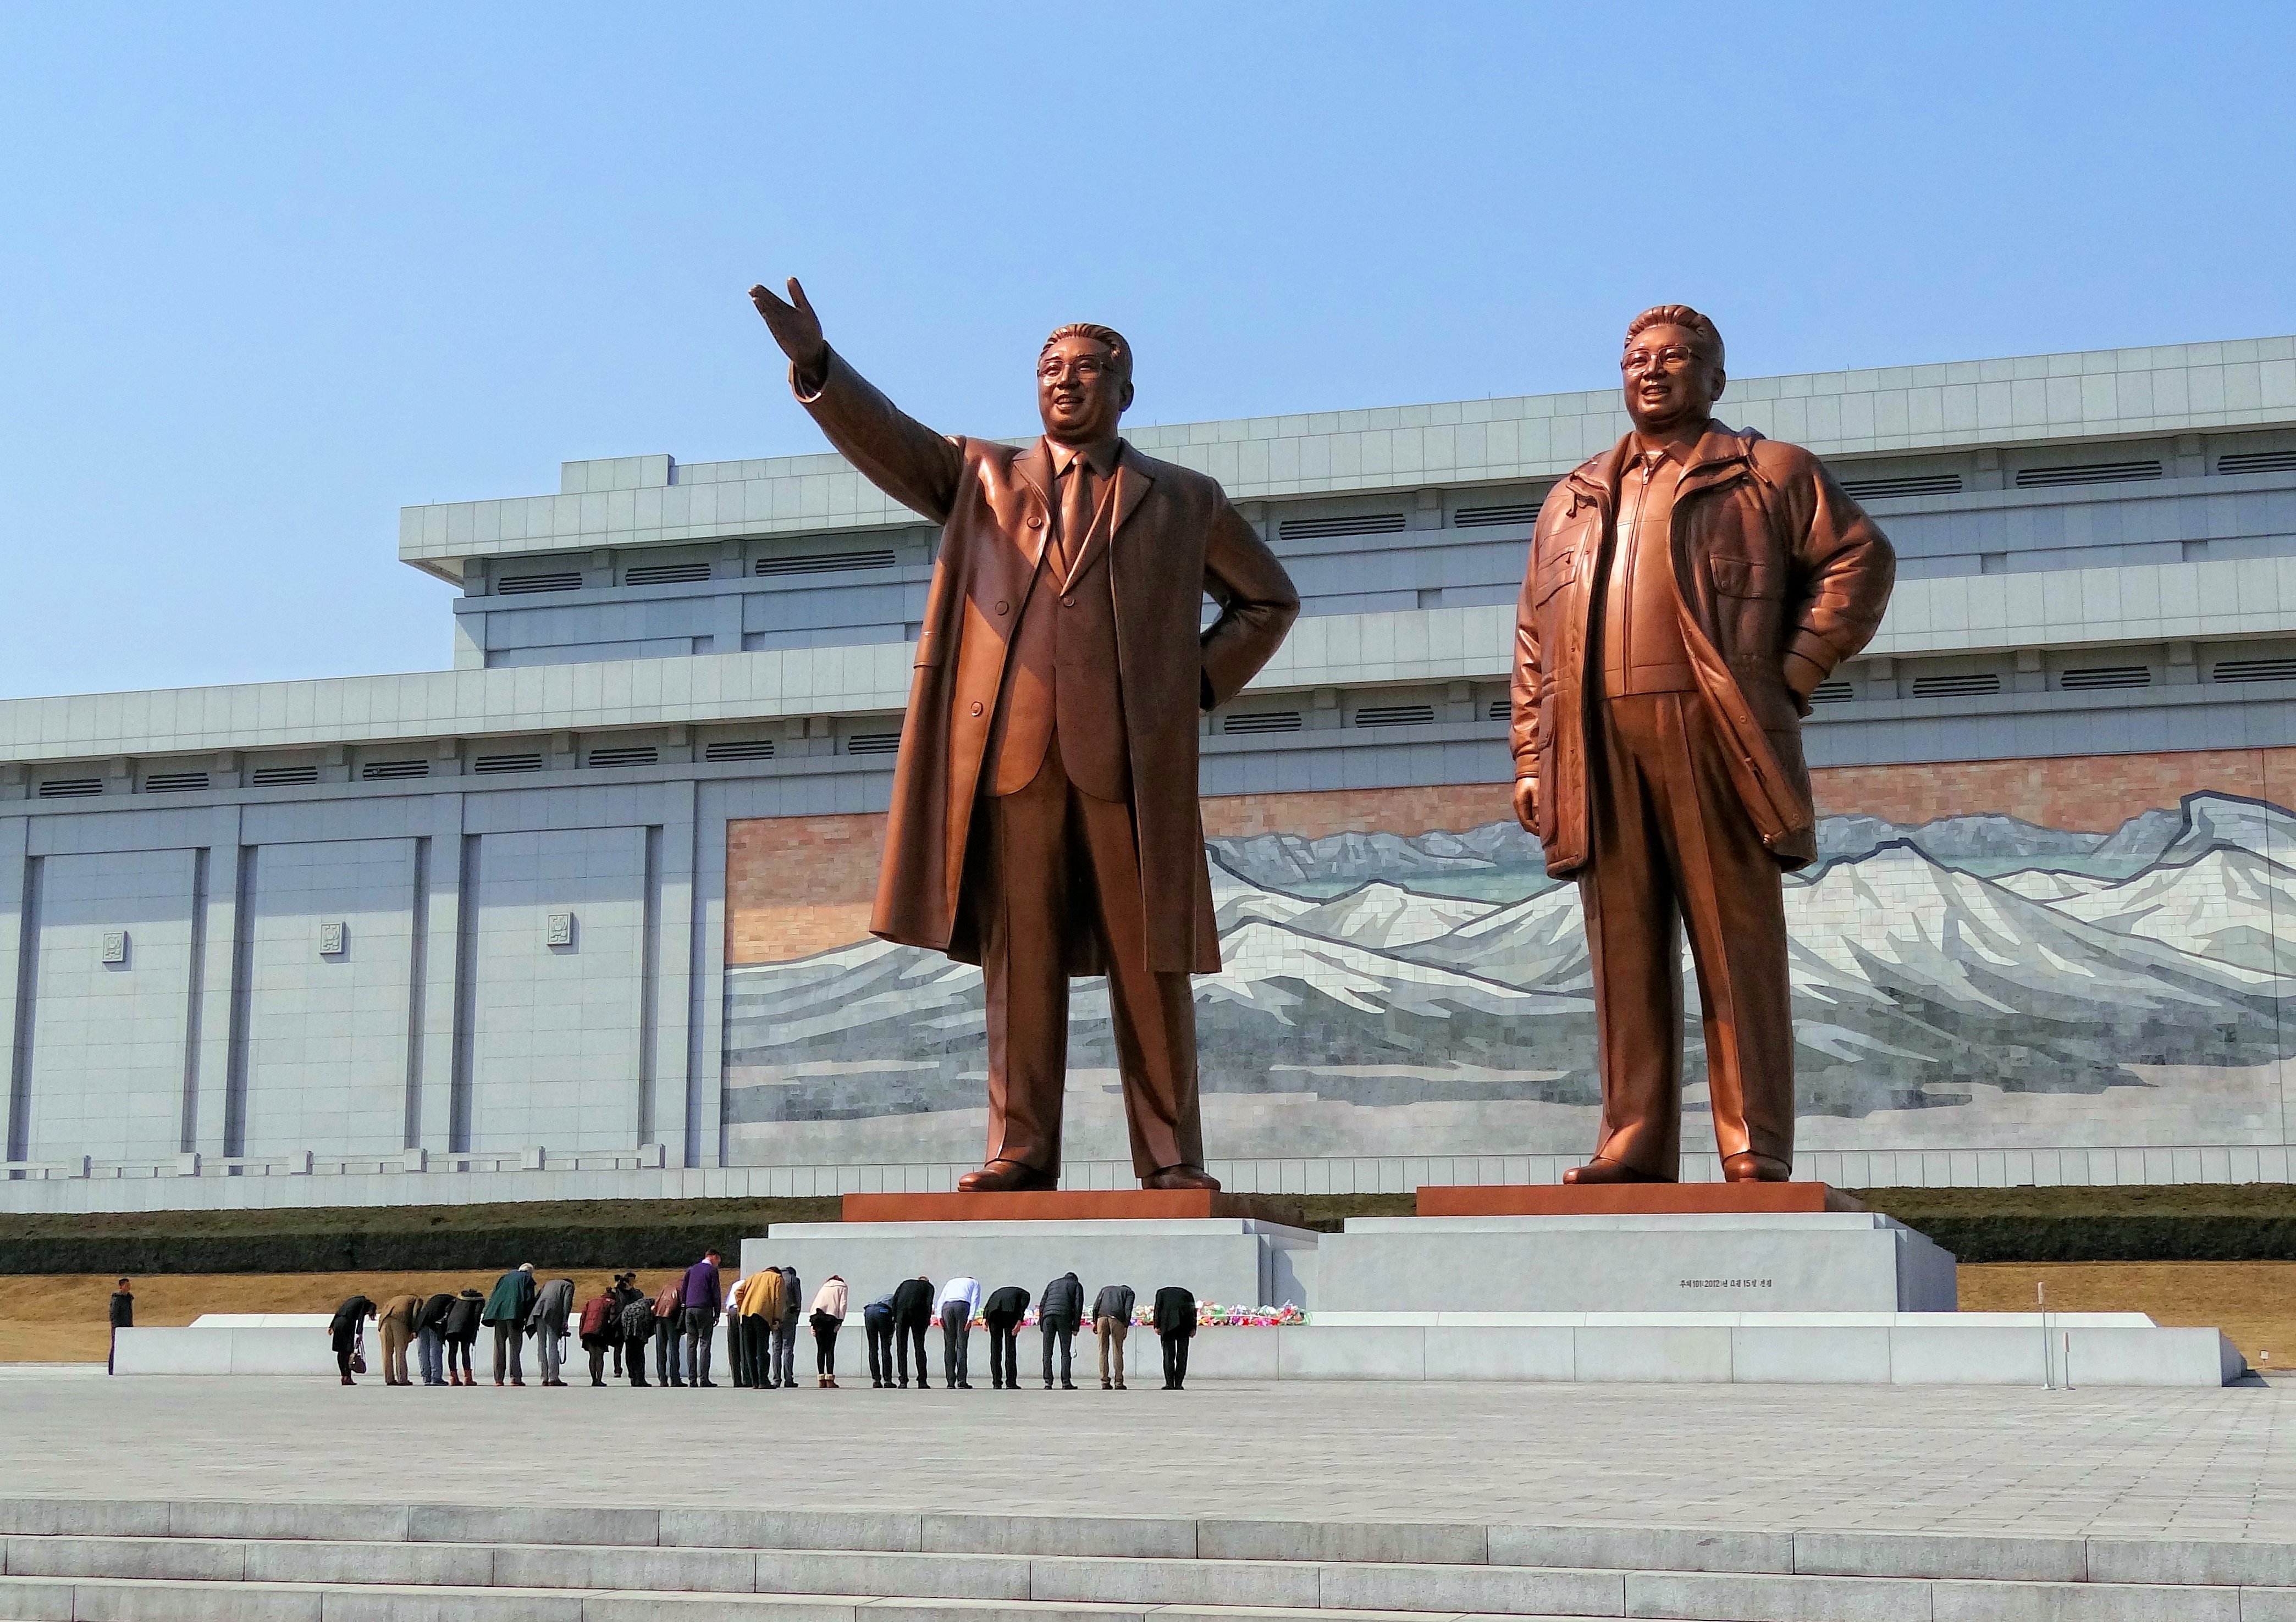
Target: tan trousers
point(1111, 1332)
point(1672, 842)
point(395, 1337)
point(1056, 862)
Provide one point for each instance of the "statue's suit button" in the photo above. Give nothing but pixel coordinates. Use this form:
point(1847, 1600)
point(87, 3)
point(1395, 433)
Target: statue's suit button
point(1004, 608)
point(1036, 521)
point(1068, 602)
point(976, 709)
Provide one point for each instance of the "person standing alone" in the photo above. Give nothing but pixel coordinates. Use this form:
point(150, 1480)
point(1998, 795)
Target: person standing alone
point(123, 1316)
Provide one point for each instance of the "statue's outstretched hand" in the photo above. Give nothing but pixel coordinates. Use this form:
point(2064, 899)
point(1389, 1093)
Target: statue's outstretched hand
point(794, 325)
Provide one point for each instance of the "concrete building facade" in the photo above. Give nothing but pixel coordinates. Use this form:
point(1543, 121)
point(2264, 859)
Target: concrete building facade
point(586, 915)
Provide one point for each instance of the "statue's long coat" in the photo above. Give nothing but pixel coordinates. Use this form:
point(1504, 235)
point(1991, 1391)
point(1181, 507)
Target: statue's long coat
point(1176, 539)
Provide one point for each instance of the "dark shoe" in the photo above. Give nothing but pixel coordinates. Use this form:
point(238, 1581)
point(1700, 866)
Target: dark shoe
point(1048, 1385)
point(1756, 1168)
point(348, 1381)
point(1119, 1385)
point(1182, 1177)
point(1004, 1177)
point(1106, 1387)
point(964, 1385)
point(1065, 1385)
point(1609, 1171)
point(922, 1386)
point(709, 1385)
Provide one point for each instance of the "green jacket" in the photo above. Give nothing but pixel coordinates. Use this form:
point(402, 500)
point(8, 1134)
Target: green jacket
point(511, 1300)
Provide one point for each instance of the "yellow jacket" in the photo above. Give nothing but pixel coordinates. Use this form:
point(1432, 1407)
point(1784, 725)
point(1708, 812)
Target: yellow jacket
point(760, 1295)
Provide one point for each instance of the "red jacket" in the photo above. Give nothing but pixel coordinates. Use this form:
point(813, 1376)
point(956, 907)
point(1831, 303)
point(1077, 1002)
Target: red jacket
point(596, 1312)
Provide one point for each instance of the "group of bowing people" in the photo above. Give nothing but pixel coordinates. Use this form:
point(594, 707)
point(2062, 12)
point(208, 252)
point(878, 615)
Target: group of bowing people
point(896, 1323)
point(762, 1315)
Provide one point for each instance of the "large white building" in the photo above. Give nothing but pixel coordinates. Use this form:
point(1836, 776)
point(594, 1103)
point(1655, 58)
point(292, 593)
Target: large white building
point(585, 914)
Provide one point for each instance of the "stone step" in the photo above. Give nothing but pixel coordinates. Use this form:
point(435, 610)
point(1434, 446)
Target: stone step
point(140, 1600)
point(2219, 1562)
point(272, 1571)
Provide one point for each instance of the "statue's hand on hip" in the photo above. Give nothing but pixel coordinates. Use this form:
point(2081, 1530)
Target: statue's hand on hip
point(794, 326)
point(1526, 803)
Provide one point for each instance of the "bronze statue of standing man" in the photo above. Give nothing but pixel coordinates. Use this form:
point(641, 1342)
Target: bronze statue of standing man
point(1687, 591)
point(1045, 820)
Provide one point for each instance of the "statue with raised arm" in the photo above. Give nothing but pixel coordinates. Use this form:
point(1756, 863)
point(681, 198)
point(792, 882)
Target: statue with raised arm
point(1045, 820)
point(1687, 591)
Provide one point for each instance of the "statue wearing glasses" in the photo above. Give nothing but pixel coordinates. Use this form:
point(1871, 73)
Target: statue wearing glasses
point(1687, 591)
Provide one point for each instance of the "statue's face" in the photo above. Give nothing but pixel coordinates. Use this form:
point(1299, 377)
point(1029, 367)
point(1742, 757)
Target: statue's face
point(1080, 390)
point(1667, 380)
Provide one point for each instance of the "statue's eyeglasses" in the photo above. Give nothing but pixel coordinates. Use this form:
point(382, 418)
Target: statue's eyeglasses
point(1085, 365)
point(1644, 360)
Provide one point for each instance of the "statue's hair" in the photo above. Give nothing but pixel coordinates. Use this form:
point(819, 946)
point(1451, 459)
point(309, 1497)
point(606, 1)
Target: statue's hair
point(1681, 315)
point(1119, 350)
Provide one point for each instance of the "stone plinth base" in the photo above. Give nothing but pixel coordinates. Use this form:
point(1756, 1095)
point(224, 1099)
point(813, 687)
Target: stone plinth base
point(1792, 1261)
point(1630, 1198)
point(1070, 1205)
point(1728, 1349)
point(1236, 1261)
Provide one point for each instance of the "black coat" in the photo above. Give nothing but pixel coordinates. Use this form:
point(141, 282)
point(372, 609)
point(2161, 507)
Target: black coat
point(1176, 1312)
point(463, 1317)
point(913, 1301)
point(433, 1312)
point(1061, 1305)
point(1005, 1306)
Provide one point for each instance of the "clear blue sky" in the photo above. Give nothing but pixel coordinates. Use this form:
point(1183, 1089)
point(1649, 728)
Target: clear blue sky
point(268, 273)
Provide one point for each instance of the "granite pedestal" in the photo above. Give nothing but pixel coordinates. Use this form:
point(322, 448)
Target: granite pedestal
point(1768, 1262)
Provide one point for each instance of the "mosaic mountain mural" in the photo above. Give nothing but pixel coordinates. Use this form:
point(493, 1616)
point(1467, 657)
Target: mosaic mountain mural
point(1968, 971)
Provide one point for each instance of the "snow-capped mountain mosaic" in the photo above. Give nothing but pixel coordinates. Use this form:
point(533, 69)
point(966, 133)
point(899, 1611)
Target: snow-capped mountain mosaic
point(1977, 980)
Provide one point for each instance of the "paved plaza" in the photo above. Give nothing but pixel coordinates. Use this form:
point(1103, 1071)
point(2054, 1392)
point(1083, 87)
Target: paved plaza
point(2191, 1463)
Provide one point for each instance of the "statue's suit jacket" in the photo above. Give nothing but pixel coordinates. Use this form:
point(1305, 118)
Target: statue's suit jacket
point(1174, 538)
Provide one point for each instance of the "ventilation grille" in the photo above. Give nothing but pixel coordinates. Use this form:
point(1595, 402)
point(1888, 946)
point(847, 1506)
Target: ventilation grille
point(1482, 517)
point(523, 585)
point(2283, 670)
point(664, 574)
point(391, 771)
point(174, 783)
point(625, 754)
point(2087, 472)
point(1955, 687)
point(2257, 461)
point(71, 788)
point(1833, 693)
point(873, 743)
point(282, 776)
point(1352, 523)
point(1394, 715)
point(485, 765)
point(1499, 710)
point(1263, 721)
point(824, 562)
point(738, 749)
point(2095, 676)
point(1893, 490)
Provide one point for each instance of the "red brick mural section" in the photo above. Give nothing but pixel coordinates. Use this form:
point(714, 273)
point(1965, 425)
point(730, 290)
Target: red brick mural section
point(799, 885)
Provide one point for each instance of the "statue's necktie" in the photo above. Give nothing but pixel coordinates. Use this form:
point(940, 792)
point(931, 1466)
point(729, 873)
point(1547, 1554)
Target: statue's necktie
point(1076, 516)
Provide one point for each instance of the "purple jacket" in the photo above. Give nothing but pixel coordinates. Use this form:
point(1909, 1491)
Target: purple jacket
point(703, 1288)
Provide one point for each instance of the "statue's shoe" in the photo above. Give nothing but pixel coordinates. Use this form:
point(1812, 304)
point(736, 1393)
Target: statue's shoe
point(1182, 1177)
point(1609, 1171)
point(1004, 1177)
point(1756, 1168)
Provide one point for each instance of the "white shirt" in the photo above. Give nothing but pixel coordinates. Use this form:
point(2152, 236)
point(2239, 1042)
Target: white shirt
point(964, 1289)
